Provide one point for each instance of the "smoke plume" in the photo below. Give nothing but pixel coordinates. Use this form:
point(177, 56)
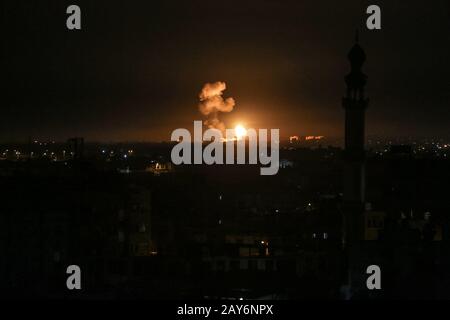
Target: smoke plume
point(212, 102)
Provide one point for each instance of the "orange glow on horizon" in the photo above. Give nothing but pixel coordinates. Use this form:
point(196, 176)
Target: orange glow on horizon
point(313, 137)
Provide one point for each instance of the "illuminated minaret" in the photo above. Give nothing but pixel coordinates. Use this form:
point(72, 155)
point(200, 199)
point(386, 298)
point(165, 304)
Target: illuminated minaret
point(355, 104)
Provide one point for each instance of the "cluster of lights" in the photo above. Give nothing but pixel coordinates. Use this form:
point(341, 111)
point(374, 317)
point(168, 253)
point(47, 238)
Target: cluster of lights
point(111, 153)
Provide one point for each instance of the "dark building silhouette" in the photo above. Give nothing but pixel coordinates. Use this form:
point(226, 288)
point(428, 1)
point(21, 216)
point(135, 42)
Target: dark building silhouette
point(355, 105)
point(76, 147)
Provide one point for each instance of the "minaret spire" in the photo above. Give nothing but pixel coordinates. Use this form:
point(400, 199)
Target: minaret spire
point(355, 104)
point(353, 206)
point(356, 79)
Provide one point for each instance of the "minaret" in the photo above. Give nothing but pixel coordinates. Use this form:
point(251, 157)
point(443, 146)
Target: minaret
point(355, 104)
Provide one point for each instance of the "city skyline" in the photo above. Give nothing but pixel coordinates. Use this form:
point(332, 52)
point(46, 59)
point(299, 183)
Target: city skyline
point(250, 190)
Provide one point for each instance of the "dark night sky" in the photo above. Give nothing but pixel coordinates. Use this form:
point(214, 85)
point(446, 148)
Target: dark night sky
point(134, 71)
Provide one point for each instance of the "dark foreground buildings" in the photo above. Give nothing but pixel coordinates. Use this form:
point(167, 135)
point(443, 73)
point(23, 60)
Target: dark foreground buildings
point(141, 228)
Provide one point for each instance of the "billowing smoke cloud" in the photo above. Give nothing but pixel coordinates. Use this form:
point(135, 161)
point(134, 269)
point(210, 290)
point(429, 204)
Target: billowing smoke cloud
point(212, 102)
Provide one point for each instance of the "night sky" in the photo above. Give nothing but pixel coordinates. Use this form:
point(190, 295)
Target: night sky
point(135, 69)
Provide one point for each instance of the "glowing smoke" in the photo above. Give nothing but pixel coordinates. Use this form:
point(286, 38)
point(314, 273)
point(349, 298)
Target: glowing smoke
point(212, 102)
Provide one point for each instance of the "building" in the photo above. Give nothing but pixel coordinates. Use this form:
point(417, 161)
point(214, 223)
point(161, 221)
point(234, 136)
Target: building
point(355, 105)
